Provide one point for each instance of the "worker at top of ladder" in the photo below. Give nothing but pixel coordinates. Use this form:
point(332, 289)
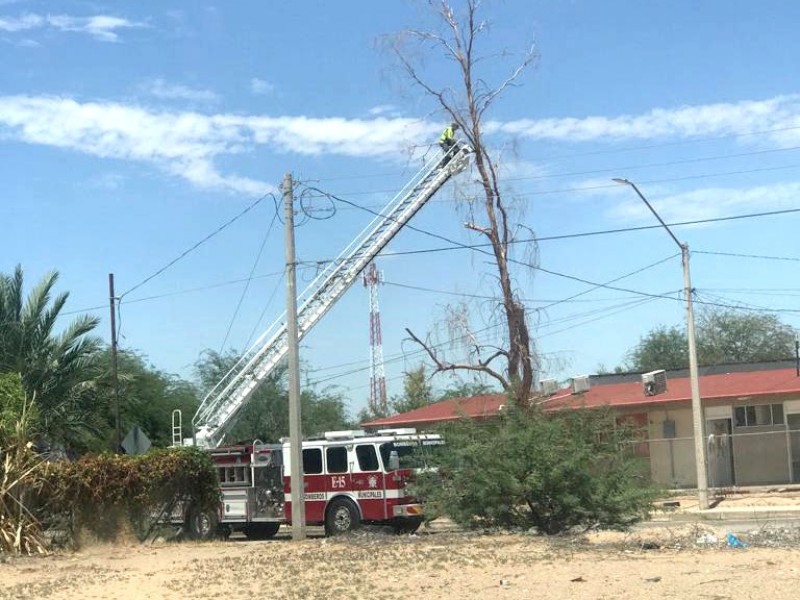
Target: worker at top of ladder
point(447, 140)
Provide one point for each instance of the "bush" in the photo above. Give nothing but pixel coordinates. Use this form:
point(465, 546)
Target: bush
point(20, 470)
point(105, 493)
point(551, 471)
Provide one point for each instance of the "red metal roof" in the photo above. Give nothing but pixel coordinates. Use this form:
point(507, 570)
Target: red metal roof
point(743, 386)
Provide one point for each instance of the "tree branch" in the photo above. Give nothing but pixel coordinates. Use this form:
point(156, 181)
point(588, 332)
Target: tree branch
point(442, 367)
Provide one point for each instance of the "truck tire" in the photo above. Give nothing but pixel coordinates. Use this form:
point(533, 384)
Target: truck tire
point(261, 531)
point(201, 524)
point(341, 517)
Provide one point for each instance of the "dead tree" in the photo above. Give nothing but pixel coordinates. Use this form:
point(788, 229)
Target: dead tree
point(467, 105)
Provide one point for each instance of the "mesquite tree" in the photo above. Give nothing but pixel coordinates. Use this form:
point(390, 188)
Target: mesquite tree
point(457, 42)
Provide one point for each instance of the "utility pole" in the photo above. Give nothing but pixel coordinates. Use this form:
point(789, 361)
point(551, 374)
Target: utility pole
point(114, 369)
point(697, 407)
point(295, 423)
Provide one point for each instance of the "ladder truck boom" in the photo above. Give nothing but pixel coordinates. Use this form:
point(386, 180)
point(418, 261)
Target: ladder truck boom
point(221, 405)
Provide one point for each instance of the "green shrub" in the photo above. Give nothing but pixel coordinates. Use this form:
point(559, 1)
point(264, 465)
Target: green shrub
point(550, 471)
point(104, 493)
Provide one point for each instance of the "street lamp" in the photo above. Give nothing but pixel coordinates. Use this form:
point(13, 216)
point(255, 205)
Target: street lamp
point(697, 411)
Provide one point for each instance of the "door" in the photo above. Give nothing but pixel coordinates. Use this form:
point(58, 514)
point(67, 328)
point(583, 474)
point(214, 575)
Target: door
point(793, 424)
point(368, 483)
point(720, 453)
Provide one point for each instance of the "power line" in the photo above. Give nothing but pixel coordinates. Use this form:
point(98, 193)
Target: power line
point(759, 256)
point(485, 297)
point(264, 311)
point(200, 243)
point(249, 279)
point(317, 263)
point(616, 169)
point(636, 272)
point(566, 236)
point(605, 151)
point(479, 248)
point(670, 163)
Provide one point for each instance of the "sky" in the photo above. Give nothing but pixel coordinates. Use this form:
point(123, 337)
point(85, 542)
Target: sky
point(141, 135)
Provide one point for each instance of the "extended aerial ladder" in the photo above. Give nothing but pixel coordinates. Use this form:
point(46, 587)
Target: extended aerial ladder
point(219, 408)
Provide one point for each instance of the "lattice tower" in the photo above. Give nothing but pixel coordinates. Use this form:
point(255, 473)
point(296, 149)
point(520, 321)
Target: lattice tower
point(377, 376)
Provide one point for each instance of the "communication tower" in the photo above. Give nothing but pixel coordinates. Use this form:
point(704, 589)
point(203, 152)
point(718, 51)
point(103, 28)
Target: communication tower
point(377, 376)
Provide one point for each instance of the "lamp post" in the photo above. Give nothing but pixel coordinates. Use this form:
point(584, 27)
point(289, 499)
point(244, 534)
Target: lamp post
point(697, 410)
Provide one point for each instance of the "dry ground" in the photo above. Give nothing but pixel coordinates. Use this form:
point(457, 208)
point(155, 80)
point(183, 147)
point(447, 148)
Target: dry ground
point(665, 563)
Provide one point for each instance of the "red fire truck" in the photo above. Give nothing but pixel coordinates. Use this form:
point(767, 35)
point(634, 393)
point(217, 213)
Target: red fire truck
point(350, 478)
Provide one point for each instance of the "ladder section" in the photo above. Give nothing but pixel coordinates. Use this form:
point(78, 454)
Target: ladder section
point(229, 396)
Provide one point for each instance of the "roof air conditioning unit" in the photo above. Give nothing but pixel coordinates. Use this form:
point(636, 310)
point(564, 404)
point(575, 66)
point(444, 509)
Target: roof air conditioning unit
point(549, 387)
point(580, 384)
point(654, 382)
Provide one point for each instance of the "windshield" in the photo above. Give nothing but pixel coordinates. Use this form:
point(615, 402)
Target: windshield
point(413, 454)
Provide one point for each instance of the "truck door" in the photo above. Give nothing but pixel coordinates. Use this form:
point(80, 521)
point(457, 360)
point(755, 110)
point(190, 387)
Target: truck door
point(314, 485)
point(368, 483)
point(337, 471)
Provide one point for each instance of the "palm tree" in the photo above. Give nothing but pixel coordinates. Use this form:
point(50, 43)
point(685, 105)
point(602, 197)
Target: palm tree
point(54, 366)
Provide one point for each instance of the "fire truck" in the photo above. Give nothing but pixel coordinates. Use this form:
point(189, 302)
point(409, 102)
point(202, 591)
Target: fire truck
point(350, 477)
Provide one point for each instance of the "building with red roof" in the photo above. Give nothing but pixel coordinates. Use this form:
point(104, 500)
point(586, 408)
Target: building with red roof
point(752, 420)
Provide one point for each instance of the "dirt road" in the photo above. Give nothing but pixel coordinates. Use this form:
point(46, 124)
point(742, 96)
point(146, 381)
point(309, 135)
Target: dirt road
point(441, 565)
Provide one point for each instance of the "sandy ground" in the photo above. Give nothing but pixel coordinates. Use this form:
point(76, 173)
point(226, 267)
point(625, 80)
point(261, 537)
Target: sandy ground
point(667, 563)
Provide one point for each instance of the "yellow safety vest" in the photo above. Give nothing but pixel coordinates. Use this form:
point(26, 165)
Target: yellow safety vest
point(447, 134)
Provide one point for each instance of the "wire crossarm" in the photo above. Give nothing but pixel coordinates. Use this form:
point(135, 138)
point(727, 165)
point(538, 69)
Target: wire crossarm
point(221, 405)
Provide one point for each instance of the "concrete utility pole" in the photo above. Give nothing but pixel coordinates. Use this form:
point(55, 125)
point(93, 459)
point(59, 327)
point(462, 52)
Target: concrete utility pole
point(697, 408)
point(295, 424)
point(114, 369)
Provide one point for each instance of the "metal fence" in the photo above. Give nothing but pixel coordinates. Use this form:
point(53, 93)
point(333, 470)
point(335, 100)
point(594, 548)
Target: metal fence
point(733, 459)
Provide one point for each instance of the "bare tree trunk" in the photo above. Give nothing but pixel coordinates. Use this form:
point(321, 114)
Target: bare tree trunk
point(467, 108)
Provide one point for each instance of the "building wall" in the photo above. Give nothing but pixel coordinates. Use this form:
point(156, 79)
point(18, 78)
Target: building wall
point(672, 447)
point(760, 453)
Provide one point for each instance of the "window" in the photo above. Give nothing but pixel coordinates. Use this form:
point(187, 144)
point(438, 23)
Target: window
point(367, 457)
point(337, 459)
point(312, 461)
point(758, 415)
point(233, 475)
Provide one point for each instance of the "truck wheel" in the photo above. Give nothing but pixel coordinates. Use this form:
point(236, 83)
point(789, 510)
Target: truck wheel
point(341, 517)
point(261, 531)
point(201, 525)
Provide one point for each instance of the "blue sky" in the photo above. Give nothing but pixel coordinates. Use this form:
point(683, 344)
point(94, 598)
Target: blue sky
point(129, 131)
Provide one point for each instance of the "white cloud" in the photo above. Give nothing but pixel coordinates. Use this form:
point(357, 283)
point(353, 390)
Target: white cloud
point(261, 86)
point(187, 144)
point(166, 91)
point(719, 119)
point(184, 144)
point(382, 109)
point(22, 23)
point(101, 27)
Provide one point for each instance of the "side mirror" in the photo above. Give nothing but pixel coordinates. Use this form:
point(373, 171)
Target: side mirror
point(394, 461)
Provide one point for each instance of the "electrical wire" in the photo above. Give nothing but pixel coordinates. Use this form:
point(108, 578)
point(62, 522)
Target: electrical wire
point(623, 168)
point(264, 311)
point(249, 279)
point(738, 255)
point(194, 247)
point(567, 236)
point(418, 288)
point(316, 263)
